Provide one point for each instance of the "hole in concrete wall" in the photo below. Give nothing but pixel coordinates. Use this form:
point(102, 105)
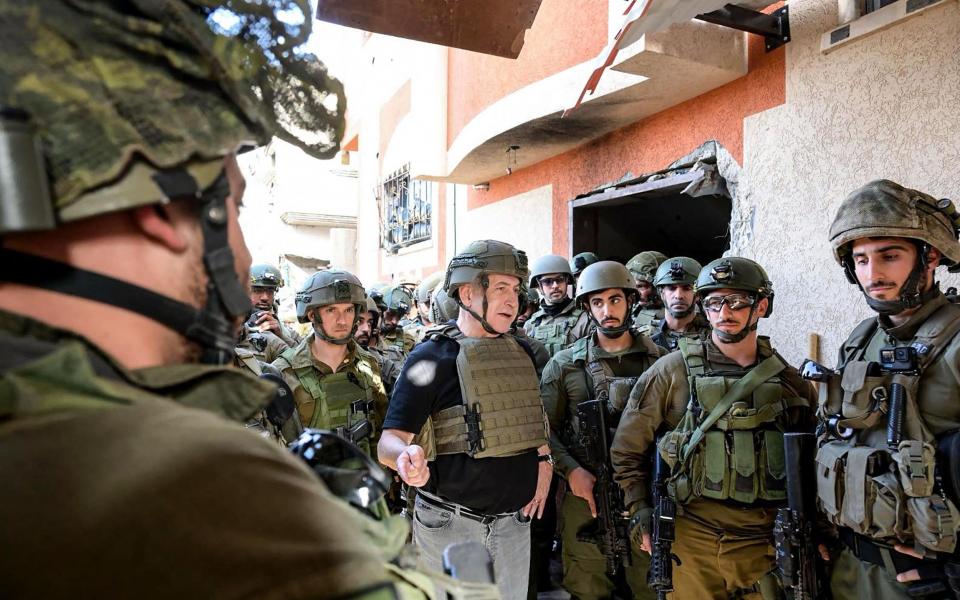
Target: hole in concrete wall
point(677, 225)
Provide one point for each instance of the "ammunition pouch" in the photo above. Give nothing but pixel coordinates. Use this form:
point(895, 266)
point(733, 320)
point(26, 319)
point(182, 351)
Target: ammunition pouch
point(553, 335)
point(884, 494)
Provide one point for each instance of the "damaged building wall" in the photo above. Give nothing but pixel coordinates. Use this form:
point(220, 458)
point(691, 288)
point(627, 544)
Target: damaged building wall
point(885, 106)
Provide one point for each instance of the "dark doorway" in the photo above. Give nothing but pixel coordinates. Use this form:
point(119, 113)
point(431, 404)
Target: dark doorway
point(616, 223)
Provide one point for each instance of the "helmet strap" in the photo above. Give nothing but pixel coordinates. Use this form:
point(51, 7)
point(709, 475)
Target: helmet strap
point(619, 330)
point(733, 338)
point(212, 327)
point(317, 323)
point(910, 295)
point(678, 315)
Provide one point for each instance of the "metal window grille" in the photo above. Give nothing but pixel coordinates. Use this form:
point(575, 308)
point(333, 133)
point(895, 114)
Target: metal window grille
point(406, 208)
point(871, 5)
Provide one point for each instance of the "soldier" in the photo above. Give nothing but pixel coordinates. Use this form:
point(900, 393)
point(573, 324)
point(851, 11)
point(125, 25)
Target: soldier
point(397, 302)
point(124, 282)
point(894, 396)
point(722, 403)
point(559, 322)
point(265, 280)
point(465, 423)
point(336, 384)
point(674, 282)
point(648, 310)
point(604, 364)
point(531, 305)
point(443, 308)
point(262, 345)
point(421, 298)
point(389, 359)
point(580, 262)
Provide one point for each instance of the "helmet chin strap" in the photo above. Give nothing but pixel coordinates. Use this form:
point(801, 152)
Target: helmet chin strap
point(613, 332)
point(211, 327)
point(484, 283)
point(910, 295)
point(317, 324)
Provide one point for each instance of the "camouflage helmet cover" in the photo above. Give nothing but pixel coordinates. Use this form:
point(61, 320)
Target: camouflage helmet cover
point(398, 299)
point(679, 270)
point(484, 257)
point(883, 208)
point(330, 287)
point(265, 275)
point(735, 273)
point(551, 263)
point(581, 261)
point(604, 275)
point(128, 92)
point(644, 266)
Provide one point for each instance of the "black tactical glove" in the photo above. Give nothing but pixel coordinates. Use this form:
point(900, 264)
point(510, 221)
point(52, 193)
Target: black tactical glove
point(640, 523)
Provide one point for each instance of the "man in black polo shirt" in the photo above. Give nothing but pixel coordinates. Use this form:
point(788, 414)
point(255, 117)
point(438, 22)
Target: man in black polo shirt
point(466, 425)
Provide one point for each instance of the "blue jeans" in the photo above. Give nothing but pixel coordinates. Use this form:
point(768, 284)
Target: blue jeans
point(507, 539)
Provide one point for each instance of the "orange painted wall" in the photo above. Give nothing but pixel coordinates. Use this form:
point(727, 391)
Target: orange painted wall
point(565, 33)
point(650, 144)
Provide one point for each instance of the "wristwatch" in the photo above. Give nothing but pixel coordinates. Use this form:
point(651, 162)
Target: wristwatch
point(547, 458)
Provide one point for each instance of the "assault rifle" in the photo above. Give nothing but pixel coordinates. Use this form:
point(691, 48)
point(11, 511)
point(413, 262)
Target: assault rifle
point(793, 528)
point(660, 575)
point(609, 531)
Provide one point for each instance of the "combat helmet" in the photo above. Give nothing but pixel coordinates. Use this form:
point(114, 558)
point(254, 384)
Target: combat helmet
point(551, 263)
point(107, 147)
point(331, 287)
point(427, 285)
point(398, 299)
point(644, 266)
point(265, 275)
point(479, 260)
point(373, 308)
point(443, 308)
point(736, 273)
point(605, 275)
point(883, 208)
point(679, 270)
point(581, 261)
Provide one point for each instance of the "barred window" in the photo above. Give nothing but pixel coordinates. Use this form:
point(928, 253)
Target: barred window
point(406, 206)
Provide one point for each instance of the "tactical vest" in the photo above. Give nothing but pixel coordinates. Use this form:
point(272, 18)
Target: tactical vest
point(885, 492)
point(247, 359)
point(553, 335)
point(341, 399)
point(729, 444)
point(501, 414)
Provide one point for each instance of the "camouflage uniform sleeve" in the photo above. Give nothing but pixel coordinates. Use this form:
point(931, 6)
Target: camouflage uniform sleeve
point(555, 402)
point(275, 346)
point(408, 342)
point(580, 329)
point(658, 399)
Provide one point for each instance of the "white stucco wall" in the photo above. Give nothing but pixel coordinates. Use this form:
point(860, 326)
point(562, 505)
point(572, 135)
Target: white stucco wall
point(886, 106)
point(523, 220)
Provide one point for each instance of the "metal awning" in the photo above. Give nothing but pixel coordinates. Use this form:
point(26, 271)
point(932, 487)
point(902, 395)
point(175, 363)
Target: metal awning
point(648, 16)
point(489, 26)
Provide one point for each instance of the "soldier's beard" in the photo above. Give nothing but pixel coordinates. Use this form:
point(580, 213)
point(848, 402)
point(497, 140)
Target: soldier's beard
point(363, 339)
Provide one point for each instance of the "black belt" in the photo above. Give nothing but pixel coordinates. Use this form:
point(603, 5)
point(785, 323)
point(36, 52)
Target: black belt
point(463, 511)
point(873, 552)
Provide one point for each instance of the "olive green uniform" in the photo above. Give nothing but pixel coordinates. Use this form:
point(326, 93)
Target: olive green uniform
point(539, 350)
point(258, 423)
point(102, 469)
point(939, 412)
point(559, 331)
point(725, 546)
point(390, 360)
point(327, 399)
point(264, 345)
point(647, 319)
point(416, 330)
point(400, 339)
point(669, 340)
point(567, 382)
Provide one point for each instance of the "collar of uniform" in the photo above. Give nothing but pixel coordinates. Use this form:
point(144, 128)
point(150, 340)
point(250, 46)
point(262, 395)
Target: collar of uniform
point(699, 323)
point(303, 355)
point(590, 345)
point(57, 355)
point(908, 330)
point(718, 361)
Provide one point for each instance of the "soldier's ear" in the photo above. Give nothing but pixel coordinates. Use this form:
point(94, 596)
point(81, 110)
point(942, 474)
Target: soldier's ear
point(163, 224)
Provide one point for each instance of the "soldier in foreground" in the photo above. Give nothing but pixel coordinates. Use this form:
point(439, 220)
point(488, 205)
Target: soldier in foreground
point(559, 322)
point(265, 280)
point(466, 425)
point(891, 410)
point(674, 282)
point(336, 384)
point(722, 439)
point(397, 302)
point(116, 382)
point(649, 310)
point(602, 366)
